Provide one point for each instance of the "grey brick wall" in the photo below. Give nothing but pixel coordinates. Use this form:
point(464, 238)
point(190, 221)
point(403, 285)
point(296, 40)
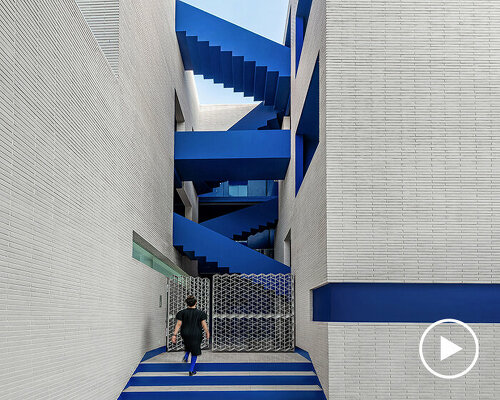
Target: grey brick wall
point(103, 18)
point(305, 214)
point(85, 159)
point(412, 150)
point(412, 177)
point(381, 361)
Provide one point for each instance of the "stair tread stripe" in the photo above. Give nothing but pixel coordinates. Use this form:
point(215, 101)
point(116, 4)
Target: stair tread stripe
point(228, 373)
point(202, 388)
point(187, 380)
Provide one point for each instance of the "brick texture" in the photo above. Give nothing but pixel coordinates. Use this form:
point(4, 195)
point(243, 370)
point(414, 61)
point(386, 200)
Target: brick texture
point(412, 177)
point(85, 159)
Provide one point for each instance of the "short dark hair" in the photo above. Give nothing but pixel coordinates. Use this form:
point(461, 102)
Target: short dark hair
point(191, 301)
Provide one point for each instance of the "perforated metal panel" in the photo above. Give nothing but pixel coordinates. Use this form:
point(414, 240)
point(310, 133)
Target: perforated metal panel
point(180, 287)
point(253, 312)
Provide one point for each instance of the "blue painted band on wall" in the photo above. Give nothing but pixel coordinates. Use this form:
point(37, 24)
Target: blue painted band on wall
point(406, 302)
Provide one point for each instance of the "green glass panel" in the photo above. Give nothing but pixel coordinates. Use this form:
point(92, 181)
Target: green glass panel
point(151, 261)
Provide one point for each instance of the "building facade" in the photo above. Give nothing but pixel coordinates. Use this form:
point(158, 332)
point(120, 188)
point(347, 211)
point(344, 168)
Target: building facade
point(369, 171)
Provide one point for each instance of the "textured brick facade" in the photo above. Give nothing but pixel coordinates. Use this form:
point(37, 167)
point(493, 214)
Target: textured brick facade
point(409, 113)
point(86, 158)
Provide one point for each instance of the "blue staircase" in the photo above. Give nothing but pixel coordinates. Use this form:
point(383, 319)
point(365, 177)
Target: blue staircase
point(241, 224)
point(236, 57)
point(215, 251)
point(161, 380)
point(255, 148)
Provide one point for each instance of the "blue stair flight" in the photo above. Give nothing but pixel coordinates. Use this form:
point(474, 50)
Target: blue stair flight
point(159, 379)
point(238, 58)
point(218, 251)
point(241, 224)
point(254, 148)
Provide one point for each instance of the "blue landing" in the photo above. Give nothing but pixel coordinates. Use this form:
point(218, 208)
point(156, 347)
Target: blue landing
point(236, 155)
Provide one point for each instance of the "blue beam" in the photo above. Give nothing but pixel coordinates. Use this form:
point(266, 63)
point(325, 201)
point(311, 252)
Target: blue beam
point(406, 302)
point(233, 199)
point(235, 155)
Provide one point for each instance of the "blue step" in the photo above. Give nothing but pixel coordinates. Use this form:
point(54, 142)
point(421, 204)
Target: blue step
point(247, 380)
point(243, 366)
point(271, 86)
point(192, 237)
point(192, 44)
point(226, 395)
point(249, 78)
point(204, 51)
point(215, 64)
point(186, 54)
point(240, 224)
point(238, 74)
point(227, 68)
point(260, 83)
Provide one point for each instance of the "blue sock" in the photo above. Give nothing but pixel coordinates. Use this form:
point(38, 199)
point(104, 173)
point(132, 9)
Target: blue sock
point(186, 355)
point(193, 362)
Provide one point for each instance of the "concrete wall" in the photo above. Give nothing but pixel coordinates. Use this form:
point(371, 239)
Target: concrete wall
point(412, 177)
point(85, 159)
point(304, 215)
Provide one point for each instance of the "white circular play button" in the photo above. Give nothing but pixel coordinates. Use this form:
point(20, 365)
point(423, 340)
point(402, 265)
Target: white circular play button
point(458, 348)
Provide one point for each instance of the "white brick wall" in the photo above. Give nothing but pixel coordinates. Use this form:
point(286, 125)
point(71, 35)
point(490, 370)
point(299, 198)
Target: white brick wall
point(85, 159)
point(103, 18)
point(412, 177)
point(409, 106)
point(381, 361)
point(305, 215)
point(412, 153)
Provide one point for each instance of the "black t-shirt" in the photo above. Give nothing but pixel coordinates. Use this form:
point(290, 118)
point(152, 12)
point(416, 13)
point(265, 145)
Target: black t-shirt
point(191, 321)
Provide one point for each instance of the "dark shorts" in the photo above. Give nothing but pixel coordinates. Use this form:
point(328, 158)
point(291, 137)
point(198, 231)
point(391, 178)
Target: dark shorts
point(192, 344)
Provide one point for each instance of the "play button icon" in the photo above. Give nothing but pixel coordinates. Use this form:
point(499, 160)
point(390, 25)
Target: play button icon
point(448, 348)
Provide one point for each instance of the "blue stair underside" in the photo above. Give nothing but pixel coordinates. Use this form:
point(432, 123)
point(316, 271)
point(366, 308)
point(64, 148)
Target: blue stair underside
point(228, 380)
point(197, 241)
point(261, 117)
point(236, 57)
point(241, 224)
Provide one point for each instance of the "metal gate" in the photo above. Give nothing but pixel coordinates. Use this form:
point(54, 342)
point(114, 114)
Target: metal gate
point(178, 288)
point(253, 312)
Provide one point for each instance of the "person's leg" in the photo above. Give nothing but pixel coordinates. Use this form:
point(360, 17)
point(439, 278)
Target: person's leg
point(186, 356)
point(193, 363)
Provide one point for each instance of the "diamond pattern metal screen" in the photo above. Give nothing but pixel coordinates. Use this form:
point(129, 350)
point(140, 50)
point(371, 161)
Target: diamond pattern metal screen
point(253, 312)
point(180, 287)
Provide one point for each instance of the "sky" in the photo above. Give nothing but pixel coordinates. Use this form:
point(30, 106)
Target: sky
point(265, 17)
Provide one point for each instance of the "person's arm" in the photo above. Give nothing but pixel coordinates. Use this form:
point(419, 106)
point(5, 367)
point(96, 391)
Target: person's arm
point(205, 328)
point(176, 331)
